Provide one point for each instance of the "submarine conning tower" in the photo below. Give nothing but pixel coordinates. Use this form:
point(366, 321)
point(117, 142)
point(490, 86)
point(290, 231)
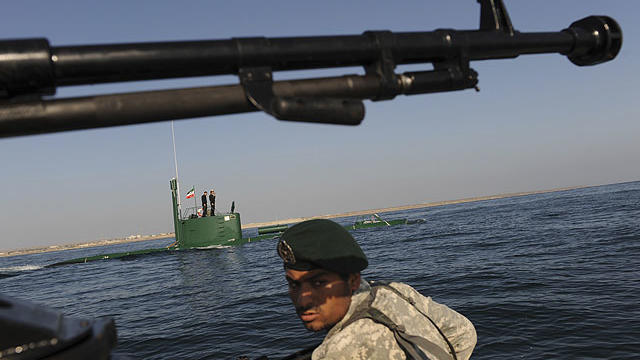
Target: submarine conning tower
point(193, 231)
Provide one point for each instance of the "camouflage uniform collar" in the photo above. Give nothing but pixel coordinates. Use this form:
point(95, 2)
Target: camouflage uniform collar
point(358, 297)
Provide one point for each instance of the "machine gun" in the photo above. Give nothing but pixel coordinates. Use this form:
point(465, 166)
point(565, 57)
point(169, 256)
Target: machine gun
point(31, 69)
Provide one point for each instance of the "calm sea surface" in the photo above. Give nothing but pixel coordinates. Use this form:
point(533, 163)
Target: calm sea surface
point(549, 276)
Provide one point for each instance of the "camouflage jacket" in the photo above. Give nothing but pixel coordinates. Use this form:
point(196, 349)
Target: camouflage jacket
point(356, 337)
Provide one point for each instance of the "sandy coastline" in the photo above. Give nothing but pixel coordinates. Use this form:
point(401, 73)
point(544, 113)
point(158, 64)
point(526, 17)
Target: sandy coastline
point(95, 243)
point(279, 222)
point(405, 207)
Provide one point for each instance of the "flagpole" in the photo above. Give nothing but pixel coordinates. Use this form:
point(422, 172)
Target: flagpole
point(175, 161)
point(195, 202)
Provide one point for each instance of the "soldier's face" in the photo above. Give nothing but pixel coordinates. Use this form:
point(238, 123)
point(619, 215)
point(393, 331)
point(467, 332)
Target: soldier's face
point(321, 297)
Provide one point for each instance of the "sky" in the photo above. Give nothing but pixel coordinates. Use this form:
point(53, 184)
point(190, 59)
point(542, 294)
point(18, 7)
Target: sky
point(539, 122)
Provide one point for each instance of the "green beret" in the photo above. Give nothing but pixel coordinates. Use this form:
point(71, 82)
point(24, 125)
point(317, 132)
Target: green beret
point(323, 244)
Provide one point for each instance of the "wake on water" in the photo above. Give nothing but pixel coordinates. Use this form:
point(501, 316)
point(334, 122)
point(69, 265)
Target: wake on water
point(10, 271)
point(213, 247)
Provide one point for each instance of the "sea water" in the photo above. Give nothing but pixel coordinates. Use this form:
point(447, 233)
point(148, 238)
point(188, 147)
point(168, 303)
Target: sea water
point(546, 276)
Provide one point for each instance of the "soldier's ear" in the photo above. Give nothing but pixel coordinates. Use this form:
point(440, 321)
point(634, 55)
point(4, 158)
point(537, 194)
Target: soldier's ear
point(354, 281)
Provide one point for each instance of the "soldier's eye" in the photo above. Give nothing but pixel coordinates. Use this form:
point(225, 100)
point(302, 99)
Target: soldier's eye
point(319, 283)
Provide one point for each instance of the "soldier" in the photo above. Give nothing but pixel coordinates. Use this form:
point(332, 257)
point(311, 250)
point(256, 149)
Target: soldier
point(212, 200)
point(204, 204)
point(322, 264)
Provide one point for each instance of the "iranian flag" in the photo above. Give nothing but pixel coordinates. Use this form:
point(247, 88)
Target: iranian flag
point(191, 193)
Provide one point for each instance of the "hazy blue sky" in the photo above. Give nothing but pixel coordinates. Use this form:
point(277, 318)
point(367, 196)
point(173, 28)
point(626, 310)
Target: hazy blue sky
point(539, 122)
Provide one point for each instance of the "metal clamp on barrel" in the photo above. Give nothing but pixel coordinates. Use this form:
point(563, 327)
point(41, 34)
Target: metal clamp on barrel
point(461, 75)
point(385, 66)
point(26, 69)
point(257, 84)
point(258, 88)
point(453, 73)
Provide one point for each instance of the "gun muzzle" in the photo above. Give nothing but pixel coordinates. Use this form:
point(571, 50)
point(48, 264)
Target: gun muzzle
point(597, 39)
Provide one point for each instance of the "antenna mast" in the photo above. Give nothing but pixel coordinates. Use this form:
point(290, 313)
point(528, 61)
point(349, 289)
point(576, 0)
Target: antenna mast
point(175, 162)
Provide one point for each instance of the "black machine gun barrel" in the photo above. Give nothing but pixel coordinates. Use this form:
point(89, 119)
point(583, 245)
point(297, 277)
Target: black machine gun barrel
point(31, 69)
point(92, 64)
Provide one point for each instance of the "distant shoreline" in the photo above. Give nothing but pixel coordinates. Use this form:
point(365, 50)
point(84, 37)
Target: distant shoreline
point(280, 222)
point(96, 243)
point(407, 207)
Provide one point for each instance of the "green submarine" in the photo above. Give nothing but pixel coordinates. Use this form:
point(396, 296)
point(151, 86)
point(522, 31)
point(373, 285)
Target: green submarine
point(191, 232)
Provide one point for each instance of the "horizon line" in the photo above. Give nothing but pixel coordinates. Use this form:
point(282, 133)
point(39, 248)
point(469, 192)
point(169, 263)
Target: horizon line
point(114, 241)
